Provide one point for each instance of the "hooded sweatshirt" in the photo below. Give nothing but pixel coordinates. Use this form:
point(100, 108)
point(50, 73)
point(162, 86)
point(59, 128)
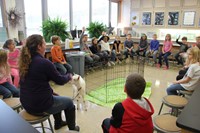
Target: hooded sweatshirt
point(132, 116)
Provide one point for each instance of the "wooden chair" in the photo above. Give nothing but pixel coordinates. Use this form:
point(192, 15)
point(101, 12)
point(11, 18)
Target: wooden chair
point(14, 103)
point(174, 102)
point(33, 119)
point(165, 123)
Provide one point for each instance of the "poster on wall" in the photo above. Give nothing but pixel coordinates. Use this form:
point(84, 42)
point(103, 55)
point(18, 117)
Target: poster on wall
point(173, 18)
point(189, 18)
point(146, 18)
point(159, 18)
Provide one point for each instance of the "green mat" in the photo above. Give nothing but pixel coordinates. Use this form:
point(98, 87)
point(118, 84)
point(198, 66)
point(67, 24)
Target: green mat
point(113, 94)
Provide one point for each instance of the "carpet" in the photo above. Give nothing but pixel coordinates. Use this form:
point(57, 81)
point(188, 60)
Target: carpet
point(113, 93)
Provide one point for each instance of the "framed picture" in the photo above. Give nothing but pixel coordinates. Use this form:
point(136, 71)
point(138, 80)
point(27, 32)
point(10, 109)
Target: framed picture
point(189, 18)
point(159, 18)
point(135, 17)
point(173, 18)
point(146, 18)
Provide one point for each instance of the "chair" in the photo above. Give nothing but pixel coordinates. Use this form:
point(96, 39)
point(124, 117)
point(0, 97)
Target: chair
point(33, 119)
point(165, 123)
point(185, 93)
point(14, 103)
point(174, 102)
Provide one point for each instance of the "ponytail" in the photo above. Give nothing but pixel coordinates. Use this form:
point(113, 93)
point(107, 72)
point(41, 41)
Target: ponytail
point(24, 62)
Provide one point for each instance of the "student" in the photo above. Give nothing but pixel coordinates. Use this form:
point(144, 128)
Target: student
point(36, 94)
point(128, 45)
point(143, 45)
point(95, 49)
point(166, 51)
point(133, 115)
point(89, 56)
point(105, 48)
point(58, 58)
point(198, 42)
point(6, 87)
point(116, 49)
point(154, 47)
point(191, 79)
point(183, 48)
point(13, 57)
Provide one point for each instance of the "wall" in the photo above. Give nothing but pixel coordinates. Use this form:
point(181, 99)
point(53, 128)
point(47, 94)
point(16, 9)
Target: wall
point(138, 7)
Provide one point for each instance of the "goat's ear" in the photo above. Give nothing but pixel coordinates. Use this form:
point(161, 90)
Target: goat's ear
point(78, 78)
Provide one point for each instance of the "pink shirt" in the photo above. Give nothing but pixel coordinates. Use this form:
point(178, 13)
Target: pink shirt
point(167, 46)
point(4, 77)
point(13, 58)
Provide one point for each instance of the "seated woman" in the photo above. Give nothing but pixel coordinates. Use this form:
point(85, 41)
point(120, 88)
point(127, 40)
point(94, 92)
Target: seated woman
point(105, 48)
point(191, 79)
point(36, 94)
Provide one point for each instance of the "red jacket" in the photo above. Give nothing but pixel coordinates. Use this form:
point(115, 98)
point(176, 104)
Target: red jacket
point(135, 119)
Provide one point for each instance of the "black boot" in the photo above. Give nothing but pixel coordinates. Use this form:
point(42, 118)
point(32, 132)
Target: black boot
point(71, 118)
point(58, 121)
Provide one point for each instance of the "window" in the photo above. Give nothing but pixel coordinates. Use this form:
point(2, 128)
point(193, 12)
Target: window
point(1, 21)
point(80, 13)
point(59, 8)
point(114, 14)
point(100, 11)
point(33, 17)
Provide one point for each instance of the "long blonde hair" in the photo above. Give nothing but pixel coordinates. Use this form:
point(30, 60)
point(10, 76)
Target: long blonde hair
point(29, 50)
point(195, 52)
point(3, 61)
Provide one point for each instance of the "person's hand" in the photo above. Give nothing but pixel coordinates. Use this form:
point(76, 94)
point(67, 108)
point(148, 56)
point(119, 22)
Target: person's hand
point(175, 82)
point(83, 29)
point(91, 54)
point(103, 33)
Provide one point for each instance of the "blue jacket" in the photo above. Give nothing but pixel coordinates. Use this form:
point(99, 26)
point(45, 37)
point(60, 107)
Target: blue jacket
point(154, 45)
point(36, 95)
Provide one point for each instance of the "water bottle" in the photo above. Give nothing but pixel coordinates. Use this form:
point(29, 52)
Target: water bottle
point(67, 43)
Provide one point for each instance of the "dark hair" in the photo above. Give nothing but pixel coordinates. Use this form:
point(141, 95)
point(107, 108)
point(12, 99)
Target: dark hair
point(135, 85)
point(184, 38)
point(142, 36)
point(54, 38)
point(8, 42)
point(129, 34)
point(27, 52)
point(85, 35)
point(93, 39)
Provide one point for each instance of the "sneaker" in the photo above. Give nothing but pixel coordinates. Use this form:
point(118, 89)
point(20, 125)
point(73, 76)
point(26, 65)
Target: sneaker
point(112, 63)
point(158, 65)
point(165, 68)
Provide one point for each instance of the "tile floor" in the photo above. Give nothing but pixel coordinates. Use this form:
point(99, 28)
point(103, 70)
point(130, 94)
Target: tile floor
point(90, 121)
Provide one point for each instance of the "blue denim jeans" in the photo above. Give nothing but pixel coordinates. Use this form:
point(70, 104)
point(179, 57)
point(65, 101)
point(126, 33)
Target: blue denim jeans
point(63, 68)
point(60, 103)
point(106, 125)
point(165, 56)
point(8, 90)
point(172, 89)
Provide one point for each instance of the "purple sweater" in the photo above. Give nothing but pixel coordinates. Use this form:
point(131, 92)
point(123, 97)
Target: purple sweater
point(36, 95)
